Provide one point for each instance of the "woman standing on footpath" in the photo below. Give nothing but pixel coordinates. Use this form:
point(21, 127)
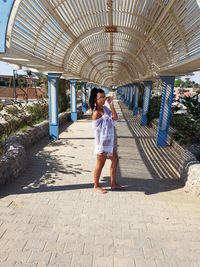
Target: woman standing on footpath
point(103, 123)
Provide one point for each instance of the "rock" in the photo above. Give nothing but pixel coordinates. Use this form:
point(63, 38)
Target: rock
point(14, 161)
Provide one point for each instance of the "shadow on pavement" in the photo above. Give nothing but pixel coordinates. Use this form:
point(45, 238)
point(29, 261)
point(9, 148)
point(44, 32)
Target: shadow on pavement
point(148, 186)
point(164, 164)
point(44, 171)
point(45, 168)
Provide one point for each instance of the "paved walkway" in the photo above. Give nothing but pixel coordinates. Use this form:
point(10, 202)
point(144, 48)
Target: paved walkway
point(50, 216)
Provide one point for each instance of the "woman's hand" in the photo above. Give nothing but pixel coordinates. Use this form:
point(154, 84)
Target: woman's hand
point(110, 100)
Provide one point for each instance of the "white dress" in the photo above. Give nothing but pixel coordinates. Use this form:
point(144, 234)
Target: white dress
point(104, 133)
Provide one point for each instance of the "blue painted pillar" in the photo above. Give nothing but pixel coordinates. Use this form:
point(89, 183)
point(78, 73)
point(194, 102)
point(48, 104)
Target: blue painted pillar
point(73, 101)
point(122, 93)
point(146, 101)
point(126, 95)
point(165, 110)
point(118, 92)
point(89, 93)
point(83, 97)
point(131, 96)
point(135, 101)
point(124, 99)
point(53, 104)
point(5, 11)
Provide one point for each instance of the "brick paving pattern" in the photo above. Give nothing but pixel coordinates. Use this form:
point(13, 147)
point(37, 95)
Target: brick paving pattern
point(50, 216)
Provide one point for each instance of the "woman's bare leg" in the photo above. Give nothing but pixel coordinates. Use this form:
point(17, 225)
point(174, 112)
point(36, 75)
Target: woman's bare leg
point(113, 170)
point(97, 173)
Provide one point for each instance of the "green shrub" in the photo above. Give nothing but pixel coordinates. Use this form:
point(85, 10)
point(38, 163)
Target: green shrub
point(63, 100)
point(20, 117)
point(38, 112)
point(187, 125)
point(154, 109)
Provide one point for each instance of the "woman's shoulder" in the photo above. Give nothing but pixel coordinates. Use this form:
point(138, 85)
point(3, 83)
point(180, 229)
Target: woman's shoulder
point(96, 115)
point(107, 110)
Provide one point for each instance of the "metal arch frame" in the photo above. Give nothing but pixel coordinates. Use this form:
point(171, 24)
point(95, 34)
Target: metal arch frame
point(102, 65)
point(79, 40)
point(99, 79)
point(130, 32)
point(179, 30)
point(145, 54)
point(11, 21)
point(165, 11)
point(96, 58)
point(114, 61)
point(105, 79)
point(94, 65)
point(96, 31)
point(111, 78)
point(106, 53)
point(131, 67)
point(98, 54)
point(57, 18)
point(115, 74)
point(104, 10)
point(48, 5)
point(108, 70)
point(17, 3)
point(37, 62)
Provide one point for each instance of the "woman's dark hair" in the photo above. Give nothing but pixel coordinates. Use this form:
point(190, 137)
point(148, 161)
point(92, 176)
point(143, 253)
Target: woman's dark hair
point(93, 96)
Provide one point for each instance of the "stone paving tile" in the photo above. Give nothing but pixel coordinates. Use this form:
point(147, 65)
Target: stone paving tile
point(20, 264)
point(103, 261)
point(7, 264)
point(124, 262)
point(50, 216)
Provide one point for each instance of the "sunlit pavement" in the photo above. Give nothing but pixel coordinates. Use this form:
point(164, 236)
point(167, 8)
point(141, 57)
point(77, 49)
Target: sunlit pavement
point(51, 216)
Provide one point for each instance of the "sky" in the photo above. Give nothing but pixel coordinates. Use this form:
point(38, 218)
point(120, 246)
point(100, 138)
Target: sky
point(6, 69)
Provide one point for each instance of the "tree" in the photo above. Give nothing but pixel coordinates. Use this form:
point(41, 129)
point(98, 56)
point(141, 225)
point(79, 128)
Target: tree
point(177, 83)
point(187, 82)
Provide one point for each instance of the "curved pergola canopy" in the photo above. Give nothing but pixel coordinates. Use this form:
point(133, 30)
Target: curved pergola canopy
point(109, 42)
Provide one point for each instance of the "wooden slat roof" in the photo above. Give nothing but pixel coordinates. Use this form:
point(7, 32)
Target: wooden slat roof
point(106, 41)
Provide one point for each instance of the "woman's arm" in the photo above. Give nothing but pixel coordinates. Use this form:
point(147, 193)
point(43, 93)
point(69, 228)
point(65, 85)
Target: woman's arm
point(96, 115)
point(112, 108)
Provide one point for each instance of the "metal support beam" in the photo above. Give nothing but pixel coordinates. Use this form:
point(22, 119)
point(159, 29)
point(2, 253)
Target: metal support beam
point(14, 83)
point(83, 97)
point(165, 110)
point(89, 87)
point(146, 101)
point(126, 95)
point(135, 101)
point(73, 100)
point(53, 104)
point(131, 96)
